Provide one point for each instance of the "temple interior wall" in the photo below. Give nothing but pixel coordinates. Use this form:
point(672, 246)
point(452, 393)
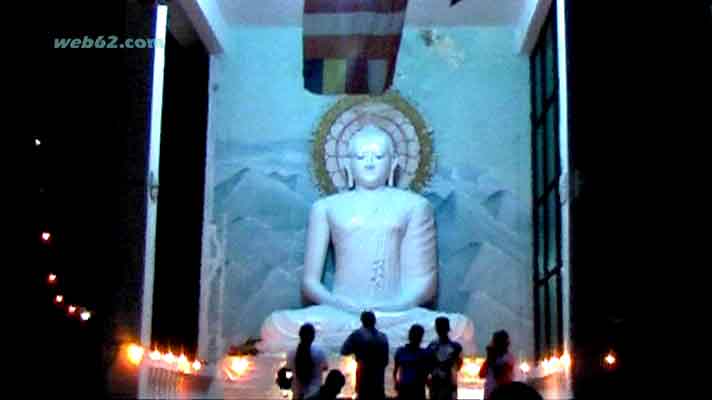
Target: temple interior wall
point(473, 91)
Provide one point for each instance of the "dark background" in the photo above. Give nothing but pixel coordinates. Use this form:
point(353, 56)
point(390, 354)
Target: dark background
point(74, 192)
point(87, 188)
point(639, 89)
point(639, 101)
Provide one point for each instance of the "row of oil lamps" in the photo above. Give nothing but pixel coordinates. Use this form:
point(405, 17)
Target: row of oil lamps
point(550, 365)
point(471, 366)
point(235, 367)
point(72, 310)
point(136, 354)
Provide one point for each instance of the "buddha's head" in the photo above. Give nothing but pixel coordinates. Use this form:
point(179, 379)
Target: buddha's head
point(373, 162)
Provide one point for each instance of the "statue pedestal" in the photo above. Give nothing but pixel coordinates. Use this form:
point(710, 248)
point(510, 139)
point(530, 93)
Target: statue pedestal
point(280, 330)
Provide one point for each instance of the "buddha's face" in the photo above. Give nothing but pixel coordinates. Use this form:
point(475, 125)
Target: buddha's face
point(371, 158)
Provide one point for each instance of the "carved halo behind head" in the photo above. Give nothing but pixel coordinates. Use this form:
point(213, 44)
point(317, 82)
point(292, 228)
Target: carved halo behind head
point(412, 144)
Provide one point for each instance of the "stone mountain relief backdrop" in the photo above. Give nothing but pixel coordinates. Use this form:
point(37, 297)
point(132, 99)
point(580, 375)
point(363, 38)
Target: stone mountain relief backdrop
point(474, 93)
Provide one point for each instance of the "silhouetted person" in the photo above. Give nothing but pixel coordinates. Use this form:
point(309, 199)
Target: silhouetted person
point(412, 365)
point(308, 362)
point(498, 368)
point(515, 391)
point(285, 377)
point(370, 347)
point(446, 358)
point(331, 388)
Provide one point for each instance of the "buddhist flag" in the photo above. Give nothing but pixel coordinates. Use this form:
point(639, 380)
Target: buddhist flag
point(351, 46)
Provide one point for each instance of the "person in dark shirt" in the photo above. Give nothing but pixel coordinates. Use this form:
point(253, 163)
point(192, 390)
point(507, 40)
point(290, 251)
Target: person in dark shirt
point(370, 347)
point(446, 356)
point(412, 365)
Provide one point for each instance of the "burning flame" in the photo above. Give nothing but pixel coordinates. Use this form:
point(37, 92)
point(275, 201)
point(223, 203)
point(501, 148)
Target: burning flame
point(546, 367)
point(155, 355)
point(471, 368)
point(134, 354)
point(566, 360)
point(197, 365)
point(610, 359)
point(524, 367)
point(348, 367)
point(554, 364)
point(183, 364)
point(169, 358)
point(235, 367)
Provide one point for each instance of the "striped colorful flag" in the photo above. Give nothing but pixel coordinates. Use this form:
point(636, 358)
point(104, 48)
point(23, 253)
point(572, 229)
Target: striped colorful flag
point(351, 46)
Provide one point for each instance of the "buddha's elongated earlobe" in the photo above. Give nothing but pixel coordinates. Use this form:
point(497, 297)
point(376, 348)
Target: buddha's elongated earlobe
point(349, 178)
point(392, 175)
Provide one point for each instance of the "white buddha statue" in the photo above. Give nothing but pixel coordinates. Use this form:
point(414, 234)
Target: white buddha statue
point(384, 242)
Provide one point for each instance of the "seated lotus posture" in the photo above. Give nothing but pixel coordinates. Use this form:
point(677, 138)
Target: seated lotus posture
point(385, 252)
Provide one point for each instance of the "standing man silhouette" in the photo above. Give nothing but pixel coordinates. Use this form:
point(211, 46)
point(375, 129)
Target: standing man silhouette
point(412, 366)
point(370, 347)
point(446, 360)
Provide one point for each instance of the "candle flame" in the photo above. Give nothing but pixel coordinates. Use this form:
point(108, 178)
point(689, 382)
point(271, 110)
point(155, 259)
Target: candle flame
point(183, 364)
point(235, 367)
point(135, 354)
point(348, 367)
point(610, 359)
point(197, 365)
point(566, 360)
point(524, 367)
point(169, 358)
point(471, 369)
point(155, 355)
